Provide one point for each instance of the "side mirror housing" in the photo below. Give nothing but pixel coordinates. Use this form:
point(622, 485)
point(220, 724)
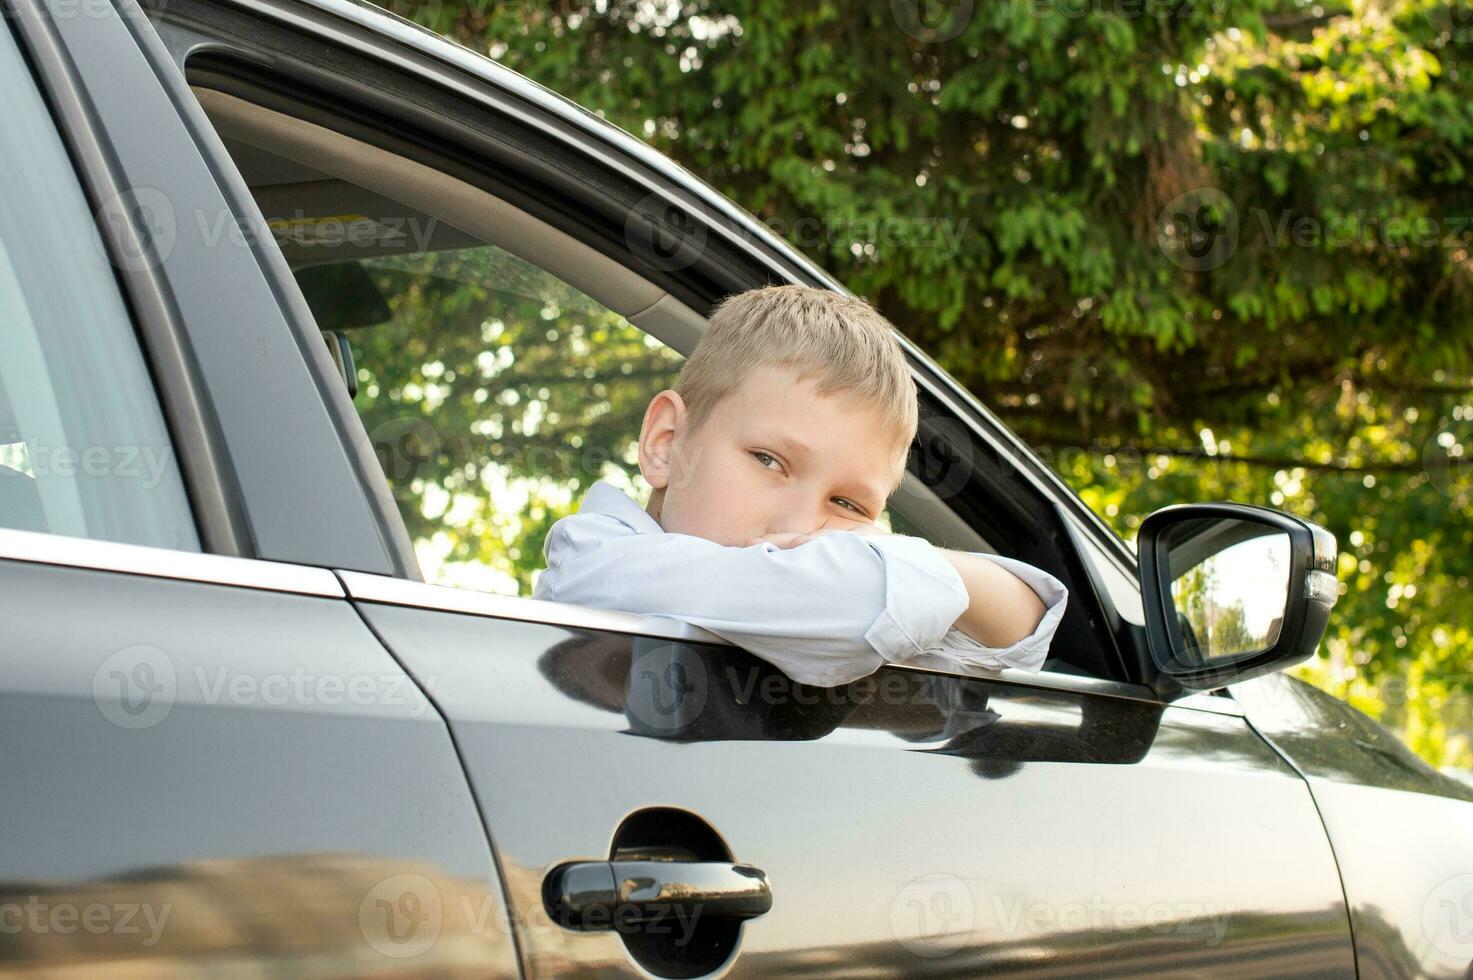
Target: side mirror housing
point(1233, 591)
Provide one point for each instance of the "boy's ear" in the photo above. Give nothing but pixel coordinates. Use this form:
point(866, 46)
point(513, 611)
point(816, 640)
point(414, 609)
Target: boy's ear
point(664, 419)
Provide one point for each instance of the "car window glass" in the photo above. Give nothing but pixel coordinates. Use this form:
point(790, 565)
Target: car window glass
point(84, 451)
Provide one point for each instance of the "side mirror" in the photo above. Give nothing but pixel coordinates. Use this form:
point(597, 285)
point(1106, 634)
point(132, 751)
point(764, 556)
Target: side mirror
point(1233, 591)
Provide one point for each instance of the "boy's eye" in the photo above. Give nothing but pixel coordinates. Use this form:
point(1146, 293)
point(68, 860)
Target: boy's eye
point(766, 459)
point(850, 504)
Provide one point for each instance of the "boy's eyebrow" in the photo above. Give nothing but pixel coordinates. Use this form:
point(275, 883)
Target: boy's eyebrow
point(791, 445)
point(866, 492)
point(878, 499)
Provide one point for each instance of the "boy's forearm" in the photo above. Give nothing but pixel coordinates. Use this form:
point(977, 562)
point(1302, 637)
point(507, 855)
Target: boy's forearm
point(1002, 609)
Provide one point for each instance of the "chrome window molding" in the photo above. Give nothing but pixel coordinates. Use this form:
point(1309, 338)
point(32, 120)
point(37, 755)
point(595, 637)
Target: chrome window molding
point(364, 587)
point(187, 566)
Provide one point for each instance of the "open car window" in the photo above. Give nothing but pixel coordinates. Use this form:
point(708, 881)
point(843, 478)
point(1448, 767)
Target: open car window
point(495, 394)
point(501, 368)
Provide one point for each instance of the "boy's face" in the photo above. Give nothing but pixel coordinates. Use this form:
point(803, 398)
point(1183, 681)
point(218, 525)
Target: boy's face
point(772, 457)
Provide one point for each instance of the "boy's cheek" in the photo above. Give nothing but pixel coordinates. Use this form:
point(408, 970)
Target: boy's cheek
point(714, 509)
point(866, 527)
point(700, 519)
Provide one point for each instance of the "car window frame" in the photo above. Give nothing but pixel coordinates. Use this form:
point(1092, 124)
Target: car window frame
point(145, 296)
point(401, 53)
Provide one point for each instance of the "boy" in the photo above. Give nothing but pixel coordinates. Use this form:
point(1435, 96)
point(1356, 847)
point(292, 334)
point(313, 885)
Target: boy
point(784, 436)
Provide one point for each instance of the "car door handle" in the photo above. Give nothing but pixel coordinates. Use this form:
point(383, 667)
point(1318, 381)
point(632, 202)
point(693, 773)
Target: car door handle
point(606, 894)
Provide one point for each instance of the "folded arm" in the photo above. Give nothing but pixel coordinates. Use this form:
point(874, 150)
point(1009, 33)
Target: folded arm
point(1012, 611)
point(826, 614)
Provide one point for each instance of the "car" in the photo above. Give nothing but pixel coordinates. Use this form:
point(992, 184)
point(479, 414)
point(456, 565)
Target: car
point(283, 281)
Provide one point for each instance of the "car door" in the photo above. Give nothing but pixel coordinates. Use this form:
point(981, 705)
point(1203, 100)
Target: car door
point(915, 823)
point(211, 766)
point(910, 824)
point(1411, 916)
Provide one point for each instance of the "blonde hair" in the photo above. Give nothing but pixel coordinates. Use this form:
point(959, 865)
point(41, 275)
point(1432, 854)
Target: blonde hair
point(840, 340)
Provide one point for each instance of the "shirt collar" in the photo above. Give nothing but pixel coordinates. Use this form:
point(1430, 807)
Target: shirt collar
point(607, 499)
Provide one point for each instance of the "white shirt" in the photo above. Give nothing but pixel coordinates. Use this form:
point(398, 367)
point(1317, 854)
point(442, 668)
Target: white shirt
point(826, 612)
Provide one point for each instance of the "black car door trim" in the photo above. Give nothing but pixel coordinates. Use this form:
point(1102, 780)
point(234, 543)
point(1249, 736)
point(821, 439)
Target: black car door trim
point(356, 447)
point(300, 495)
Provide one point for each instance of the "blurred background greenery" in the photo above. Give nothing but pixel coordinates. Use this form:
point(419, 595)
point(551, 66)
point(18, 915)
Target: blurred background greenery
point(1191, 250)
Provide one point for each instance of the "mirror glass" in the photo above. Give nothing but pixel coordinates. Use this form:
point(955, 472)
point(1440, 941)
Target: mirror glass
point(1230, 586)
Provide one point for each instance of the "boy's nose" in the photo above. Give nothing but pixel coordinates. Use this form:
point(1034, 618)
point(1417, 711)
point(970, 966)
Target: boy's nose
point(800, 520)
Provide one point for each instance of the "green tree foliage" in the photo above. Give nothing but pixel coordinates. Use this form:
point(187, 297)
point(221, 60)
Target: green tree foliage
point(1190, 250)
point(495, 395)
